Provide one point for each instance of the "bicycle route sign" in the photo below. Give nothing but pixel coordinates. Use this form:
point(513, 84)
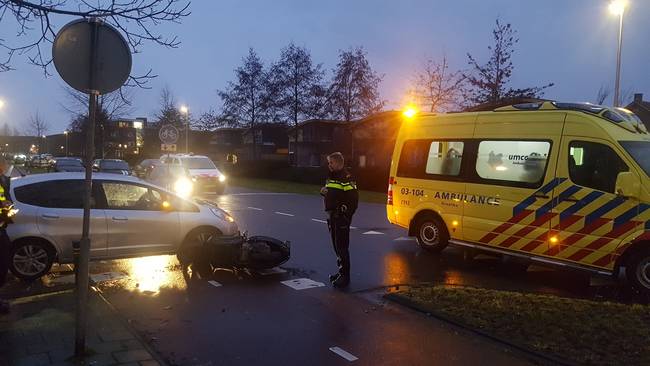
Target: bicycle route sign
point(168, 134)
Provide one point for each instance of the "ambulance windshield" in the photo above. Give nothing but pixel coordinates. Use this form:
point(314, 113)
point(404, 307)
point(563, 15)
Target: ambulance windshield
point(640, 151)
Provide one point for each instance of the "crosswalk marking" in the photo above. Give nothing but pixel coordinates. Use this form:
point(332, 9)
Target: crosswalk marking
point(214, 283)
point(302, 284)
point(254, 208)
point(371, 232)
point(404, 238)
point(318, 220)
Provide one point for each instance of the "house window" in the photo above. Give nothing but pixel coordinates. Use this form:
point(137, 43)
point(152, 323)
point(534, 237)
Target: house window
point(362, 161)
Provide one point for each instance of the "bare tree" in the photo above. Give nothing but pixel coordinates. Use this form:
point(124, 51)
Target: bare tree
point(37, 126)
point(116, 104)
point(436, 88)
point(488, 83)
point(603, 94)
point(210, 121)
point(35, 28)
point(354, 90)
point(168, 112)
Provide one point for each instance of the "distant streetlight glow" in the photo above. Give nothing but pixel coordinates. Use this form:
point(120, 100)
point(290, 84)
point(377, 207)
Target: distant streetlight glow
point(617, 7)
point(184, 109)
point(410, 111)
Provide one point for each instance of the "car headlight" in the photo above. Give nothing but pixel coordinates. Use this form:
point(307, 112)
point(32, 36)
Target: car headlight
point(222, 178)
point(183, 187)
point(222, 214)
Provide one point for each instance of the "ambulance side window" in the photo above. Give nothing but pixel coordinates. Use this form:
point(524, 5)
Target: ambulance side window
point(594, 165)
point(516, 163)
point(426, 159)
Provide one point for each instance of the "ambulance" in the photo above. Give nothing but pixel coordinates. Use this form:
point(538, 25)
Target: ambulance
point(564, 184)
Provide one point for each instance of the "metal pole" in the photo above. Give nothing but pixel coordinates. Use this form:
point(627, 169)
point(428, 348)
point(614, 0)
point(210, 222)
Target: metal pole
point(617, 95)
point(81, 270)
point(66, 145)
point(187, 133)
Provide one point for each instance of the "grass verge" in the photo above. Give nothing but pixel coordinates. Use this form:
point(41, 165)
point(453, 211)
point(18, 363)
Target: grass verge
point(293, 187)
point(579, 331)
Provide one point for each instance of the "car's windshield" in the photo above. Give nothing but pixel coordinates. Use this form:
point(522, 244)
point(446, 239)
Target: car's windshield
point(68, 162)
point(198, 163)
point(114, 164)
point(640, 151)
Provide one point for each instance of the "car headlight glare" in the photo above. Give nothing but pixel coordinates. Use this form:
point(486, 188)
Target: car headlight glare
point(183, 187)
point(222, 178)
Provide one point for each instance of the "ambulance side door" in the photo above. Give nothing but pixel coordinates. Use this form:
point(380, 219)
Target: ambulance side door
point(509, 193)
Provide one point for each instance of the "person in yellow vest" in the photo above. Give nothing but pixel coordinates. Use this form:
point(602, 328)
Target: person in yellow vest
point(5, 243)
point(341, 201)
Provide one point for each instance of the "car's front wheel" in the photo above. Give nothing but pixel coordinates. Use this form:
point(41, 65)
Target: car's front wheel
point(637, 272)
point(31, 259)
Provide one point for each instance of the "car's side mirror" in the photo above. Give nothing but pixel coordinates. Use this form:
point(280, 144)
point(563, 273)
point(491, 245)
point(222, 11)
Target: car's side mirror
point(627, 184)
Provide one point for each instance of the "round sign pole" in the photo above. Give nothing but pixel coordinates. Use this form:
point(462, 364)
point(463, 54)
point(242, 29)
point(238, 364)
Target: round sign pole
point(92, 57)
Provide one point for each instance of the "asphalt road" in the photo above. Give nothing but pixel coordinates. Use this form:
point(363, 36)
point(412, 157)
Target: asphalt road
point(250, 319)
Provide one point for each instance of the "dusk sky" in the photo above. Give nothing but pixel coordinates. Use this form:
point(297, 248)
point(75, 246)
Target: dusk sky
point(570, 43)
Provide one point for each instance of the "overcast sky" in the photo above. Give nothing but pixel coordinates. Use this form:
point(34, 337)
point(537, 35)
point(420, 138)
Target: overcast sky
point(570, 43)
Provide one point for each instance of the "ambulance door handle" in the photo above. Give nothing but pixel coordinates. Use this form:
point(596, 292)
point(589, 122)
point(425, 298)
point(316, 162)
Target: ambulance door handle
point(571, 199)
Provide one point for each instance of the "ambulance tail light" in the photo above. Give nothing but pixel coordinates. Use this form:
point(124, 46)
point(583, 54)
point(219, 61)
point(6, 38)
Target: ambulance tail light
point(391, 181)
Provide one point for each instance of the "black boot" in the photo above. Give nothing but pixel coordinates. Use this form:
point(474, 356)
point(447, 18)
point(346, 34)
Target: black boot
point(334, 276)
point(341, 281)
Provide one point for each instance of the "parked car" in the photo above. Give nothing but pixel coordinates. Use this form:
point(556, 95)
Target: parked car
point(142, 170)
point(173, 177)
point(129, 218)
point(115, 166)
point(67, 165)
point(20, 159)
point(206, 175)
point(39, 161)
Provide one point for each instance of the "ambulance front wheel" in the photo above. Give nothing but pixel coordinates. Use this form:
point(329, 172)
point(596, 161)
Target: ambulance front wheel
point(637, 272)
point(431, 234)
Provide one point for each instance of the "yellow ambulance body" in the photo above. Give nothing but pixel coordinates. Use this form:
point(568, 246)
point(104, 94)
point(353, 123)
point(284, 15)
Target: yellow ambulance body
point(557, 183)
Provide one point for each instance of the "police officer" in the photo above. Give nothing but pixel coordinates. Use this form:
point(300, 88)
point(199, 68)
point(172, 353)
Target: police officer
point(5, 243)
point(341, 201)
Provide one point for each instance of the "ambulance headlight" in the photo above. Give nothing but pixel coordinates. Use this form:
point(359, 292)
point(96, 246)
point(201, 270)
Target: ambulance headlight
point(183, 187)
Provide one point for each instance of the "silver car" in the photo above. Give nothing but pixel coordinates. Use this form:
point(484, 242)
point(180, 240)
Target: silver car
point(129, 218)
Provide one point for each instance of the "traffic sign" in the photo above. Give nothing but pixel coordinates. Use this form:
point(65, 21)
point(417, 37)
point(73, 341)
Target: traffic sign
point(168, 134)
point(168, 147)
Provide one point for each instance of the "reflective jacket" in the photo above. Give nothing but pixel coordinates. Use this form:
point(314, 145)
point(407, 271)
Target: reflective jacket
point(342, 195)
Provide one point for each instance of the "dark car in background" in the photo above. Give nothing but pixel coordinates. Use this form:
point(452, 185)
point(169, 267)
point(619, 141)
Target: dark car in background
point(142, 170)
point(67, 165)
point(115, 166)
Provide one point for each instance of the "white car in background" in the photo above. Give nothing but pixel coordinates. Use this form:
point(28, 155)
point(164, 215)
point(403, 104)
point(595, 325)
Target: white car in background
point(205, 175)
point(129, 218)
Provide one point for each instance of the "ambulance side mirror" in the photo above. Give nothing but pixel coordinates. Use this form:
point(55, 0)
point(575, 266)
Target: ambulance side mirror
point(627, 185)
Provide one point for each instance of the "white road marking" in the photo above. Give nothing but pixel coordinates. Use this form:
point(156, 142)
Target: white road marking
point(214, 283)
point(343, 353)
point(318, 220)
point(353, 227)
point(404, 238)
point(271, 271)
point(284, 213)
point(254, 208)
point(302, 284)
point(107, 276)
point(373, 233)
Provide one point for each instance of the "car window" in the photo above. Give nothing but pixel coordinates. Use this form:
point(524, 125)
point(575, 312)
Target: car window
point(430, 159)
point(513, 161)
point(594, 165)
point(157, 172)
point(198, 163)
point(127, 196)
point(114, 164)
point(53, 194)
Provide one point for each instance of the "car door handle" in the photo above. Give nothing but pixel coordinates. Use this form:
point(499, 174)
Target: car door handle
point(50, 216)
point(120, 218)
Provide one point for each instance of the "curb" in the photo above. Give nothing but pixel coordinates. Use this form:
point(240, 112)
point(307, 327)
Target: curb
point(536, 355)
point(130, 328)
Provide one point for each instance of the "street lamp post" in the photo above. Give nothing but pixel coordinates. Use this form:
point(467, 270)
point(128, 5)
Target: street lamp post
point(617, 7)
point(66, 142)
point(185, 111)
point(45, 142)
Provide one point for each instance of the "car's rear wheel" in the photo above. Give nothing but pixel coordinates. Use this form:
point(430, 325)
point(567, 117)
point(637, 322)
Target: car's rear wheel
point(431, 234)
point(637, 272)
point(31, 259)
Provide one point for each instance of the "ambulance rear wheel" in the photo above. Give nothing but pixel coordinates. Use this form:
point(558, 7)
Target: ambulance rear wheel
point(637, 272)
point(431, 234)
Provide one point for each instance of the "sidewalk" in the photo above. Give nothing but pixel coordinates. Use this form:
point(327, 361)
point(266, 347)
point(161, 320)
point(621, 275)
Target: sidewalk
point(40, 331)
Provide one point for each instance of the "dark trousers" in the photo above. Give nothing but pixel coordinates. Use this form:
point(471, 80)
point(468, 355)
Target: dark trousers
point(5, 247)
point(339, 227)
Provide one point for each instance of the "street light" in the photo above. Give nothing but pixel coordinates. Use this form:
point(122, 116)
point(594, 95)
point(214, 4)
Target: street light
point(185, 111)
point(2, 103)
point(66, 142)
point(617, 7)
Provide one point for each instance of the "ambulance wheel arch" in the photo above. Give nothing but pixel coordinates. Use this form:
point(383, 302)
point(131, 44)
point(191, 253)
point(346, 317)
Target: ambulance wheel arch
point(430, 231)
point(636, 261)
